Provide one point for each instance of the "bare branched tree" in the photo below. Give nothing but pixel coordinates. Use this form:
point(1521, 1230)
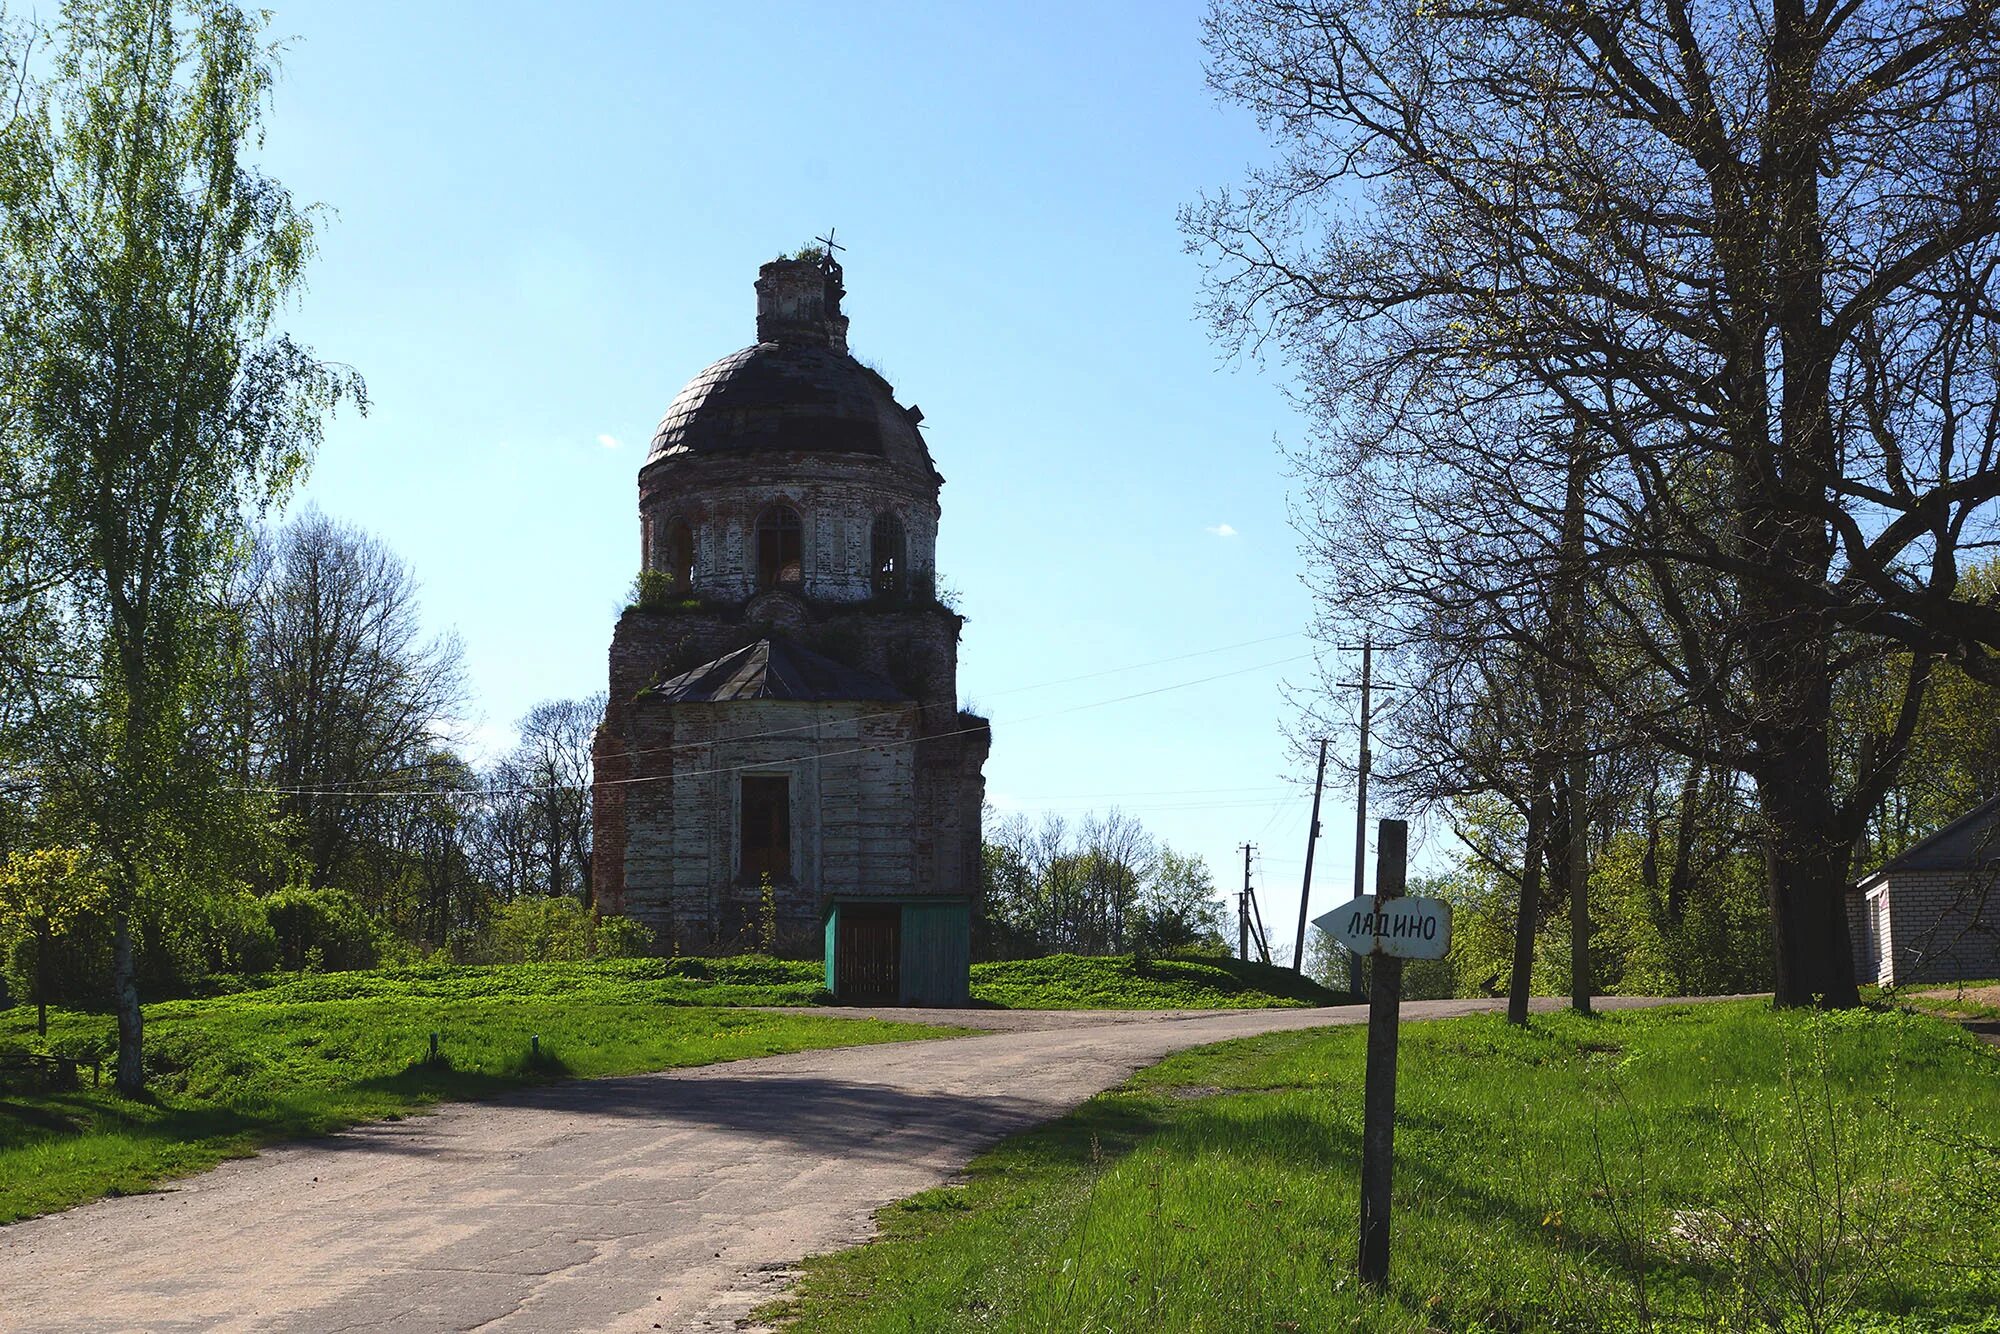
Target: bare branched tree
point(348, 698)
point(1729, 267)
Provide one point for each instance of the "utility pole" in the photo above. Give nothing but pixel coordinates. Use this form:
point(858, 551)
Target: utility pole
point(1243, 908)
point(1305, 886)
point(1257, 931)
point(1363, 763)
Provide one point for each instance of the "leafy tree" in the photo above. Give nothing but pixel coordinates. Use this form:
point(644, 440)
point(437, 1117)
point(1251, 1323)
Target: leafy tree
point(1102, 886)
point(46, 892)
point(143, 262)
point(1178, 909)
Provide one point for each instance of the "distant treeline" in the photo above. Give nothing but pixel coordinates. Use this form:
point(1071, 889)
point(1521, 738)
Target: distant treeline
point(338, 821)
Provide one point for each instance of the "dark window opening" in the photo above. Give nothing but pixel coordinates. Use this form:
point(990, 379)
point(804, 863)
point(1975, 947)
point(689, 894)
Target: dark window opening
point(767, 828)
point(887, 546)
point(781, 548)
point(680, 554)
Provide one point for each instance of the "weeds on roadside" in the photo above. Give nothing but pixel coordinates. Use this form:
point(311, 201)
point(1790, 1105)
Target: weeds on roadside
point(1806, 1216)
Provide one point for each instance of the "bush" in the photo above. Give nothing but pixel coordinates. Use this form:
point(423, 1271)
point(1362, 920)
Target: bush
point(183, 940)
point(228, 932)
point(537, 930)
point(620, 938)
point(554, 930)
point(321, 930)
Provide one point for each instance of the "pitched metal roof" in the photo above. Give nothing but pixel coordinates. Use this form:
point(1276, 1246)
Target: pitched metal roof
point(774, 669)
point(1969, 843)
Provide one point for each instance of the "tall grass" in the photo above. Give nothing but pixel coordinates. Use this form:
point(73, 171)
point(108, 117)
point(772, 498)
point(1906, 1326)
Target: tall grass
point(1715, 1168)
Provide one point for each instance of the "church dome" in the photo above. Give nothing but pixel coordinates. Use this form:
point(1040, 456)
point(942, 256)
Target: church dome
point(796, 389)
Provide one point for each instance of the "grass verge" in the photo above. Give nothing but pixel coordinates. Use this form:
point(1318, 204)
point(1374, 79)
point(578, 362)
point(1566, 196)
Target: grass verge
point(229, 1074)
point(1718, 1167)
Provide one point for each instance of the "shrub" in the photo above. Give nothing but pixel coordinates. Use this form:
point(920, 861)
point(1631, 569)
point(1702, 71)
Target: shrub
point(537, 930)
point(620, 938)
point(554, 930)
point(655, 590)
point(228, 932)
point(321, 929)
point(183, 939)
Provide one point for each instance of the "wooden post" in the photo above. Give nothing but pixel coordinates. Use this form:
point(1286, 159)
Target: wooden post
point(1378, 1097)
point(1243, 909)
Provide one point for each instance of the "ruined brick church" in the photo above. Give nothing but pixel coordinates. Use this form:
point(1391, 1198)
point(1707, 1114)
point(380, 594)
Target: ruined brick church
point(783, 706)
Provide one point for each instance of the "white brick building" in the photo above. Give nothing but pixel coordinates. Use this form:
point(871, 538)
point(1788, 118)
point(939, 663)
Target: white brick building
point(1933, 914)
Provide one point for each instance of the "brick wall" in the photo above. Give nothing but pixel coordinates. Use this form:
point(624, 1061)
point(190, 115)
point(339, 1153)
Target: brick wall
point(886, 798)
point(1942, 926)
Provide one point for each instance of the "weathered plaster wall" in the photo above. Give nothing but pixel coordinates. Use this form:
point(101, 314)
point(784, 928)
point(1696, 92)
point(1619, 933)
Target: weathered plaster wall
point(885, 798)
point(838, 499)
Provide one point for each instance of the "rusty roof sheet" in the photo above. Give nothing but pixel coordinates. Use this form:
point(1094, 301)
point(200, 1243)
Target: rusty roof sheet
point(774, 669)
point(791, 396)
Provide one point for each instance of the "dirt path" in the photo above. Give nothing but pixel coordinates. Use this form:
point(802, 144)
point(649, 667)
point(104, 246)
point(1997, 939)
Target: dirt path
point(672, 1201)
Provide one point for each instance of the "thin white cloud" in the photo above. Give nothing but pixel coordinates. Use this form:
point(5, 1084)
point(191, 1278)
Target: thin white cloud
point(1221, 530)
point(608, 441)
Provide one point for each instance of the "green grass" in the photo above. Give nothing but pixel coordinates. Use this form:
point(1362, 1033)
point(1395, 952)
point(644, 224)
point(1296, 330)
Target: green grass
point(1543, 1179)
point(1954, 1000)
point(1071, 982)
point(231, 1073)
point(749, 979)
point(1058, 982)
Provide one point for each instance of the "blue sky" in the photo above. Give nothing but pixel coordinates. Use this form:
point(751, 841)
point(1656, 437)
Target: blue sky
point(543, 221)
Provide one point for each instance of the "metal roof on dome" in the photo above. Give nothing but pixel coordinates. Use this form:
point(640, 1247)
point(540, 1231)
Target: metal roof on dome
point(796, 389)
point(774, 669)
point(802, 397)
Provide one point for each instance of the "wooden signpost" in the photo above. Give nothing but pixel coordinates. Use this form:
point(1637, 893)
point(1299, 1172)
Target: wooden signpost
point(1389, 928)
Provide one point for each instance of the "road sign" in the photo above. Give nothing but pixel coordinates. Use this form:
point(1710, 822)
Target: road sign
point(1402, 928)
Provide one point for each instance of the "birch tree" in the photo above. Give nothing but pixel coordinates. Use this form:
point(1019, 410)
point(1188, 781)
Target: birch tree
point(144, 261)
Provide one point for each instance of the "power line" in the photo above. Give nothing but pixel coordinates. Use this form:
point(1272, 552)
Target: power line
point(998, 694)
point(537, 790)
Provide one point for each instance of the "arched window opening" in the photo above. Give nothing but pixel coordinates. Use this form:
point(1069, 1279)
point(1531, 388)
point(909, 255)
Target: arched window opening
point(888, 555)
point(679, 554)
point(781, 548)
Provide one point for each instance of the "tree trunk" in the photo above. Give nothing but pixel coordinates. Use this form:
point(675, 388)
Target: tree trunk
point(1779, 500)
point(1805, 857)
point(42, 979)
point(1531, 898)
point(1576, 877)
point(125, 981)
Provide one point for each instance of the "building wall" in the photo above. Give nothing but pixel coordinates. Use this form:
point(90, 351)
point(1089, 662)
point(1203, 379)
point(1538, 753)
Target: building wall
point(1942, 926)
point(886, 797)
point(838, 499)
point(852, 776)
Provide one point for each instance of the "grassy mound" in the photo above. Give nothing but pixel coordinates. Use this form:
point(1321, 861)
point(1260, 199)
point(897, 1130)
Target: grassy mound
point(749, 979)
point(1719, 1166)
point(1078, 982)
point(230, 1073)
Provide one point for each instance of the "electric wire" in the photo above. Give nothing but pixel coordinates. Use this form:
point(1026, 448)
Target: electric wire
point(488, 793)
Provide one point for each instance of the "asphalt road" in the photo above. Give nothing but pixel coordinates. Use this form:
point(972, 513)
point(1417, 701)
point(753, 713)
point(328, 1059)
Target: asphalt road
point(671, 1201)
